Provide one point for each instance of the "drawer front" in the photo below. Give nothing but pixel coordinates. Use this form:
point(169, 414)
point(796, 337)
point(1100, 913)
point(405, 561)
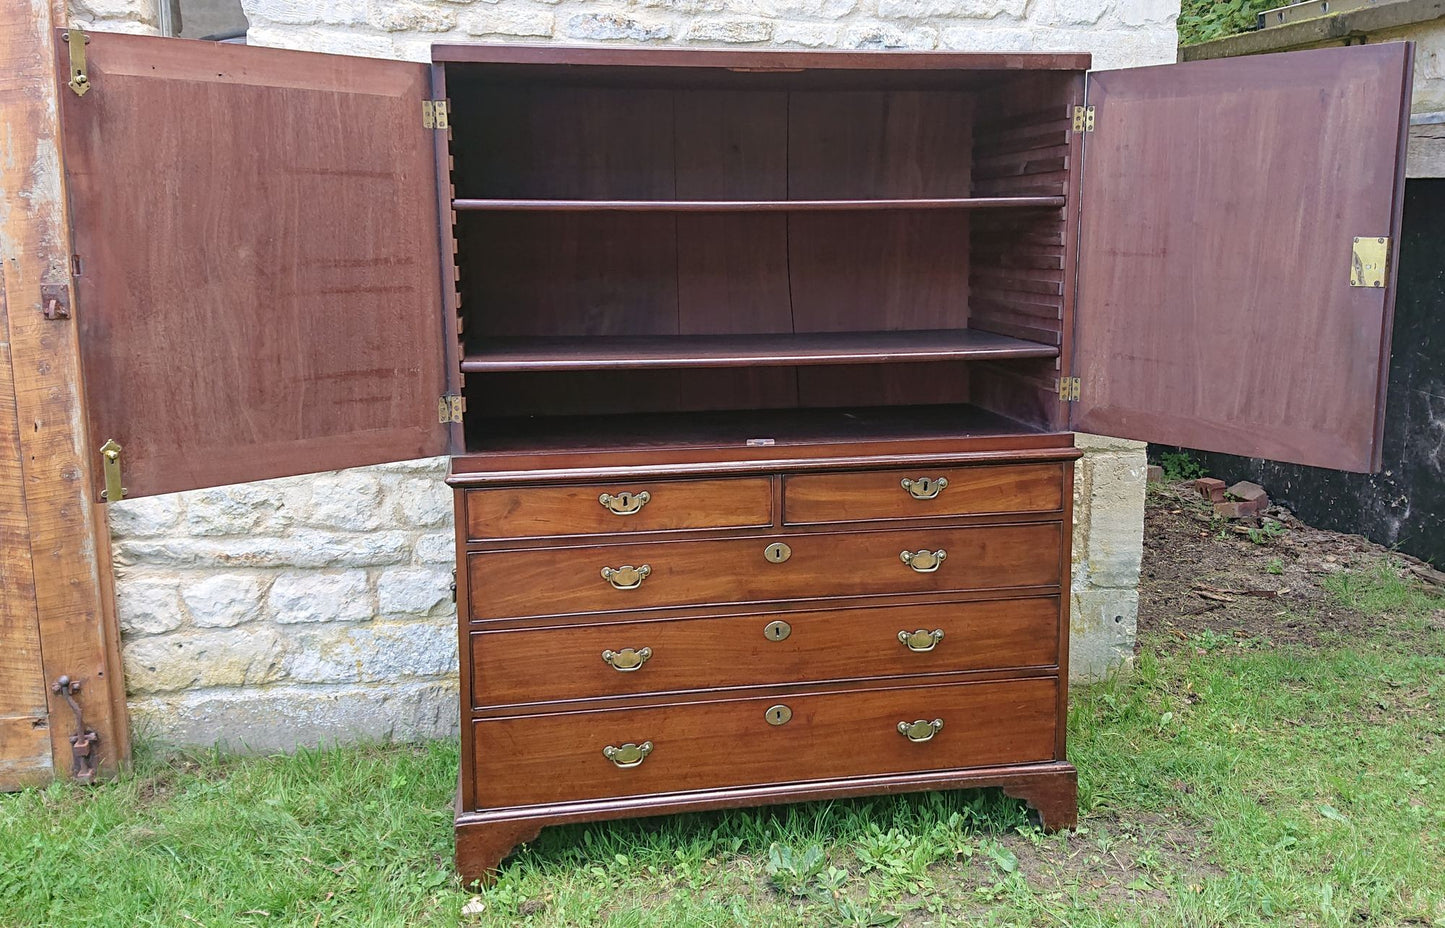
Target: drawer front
point(536, 512)
point(553, 758)
point(565, 581)
point(883, 494)
point(624, 658)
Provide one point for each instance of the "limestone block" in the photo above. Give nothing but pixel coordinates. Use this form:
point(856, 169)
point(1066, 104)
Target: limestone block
point(374, 653)
point(954, 9)
point(808, 35)
point(504, 21)
point(438, 548)
point(346, 500)
point(731, 31)
point(153, 515)
point(331, 40)
point(231, 657)
point(687, 7)
point(304, 548)
point(1070, 12)
point(313, 596)
point(884, 35)
point(977, 38)
point(1102, 628)
point(1114, 540)
point(148, 606)
point(283, 718)
point(419, 501)
point(783, 10)
point(238, 510)
point(413, 590)
point(305, 12)
point(1088, 442)
point(392, 16)
point(223, 600)
point(1111, 48)
point(1146, 12)
point(602, 26)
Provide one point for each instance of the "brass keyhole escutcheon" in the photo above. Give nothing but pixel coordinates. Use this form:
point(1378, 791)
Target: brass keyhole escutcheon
point(778, 715)
point(777, 552)
point(777, 630)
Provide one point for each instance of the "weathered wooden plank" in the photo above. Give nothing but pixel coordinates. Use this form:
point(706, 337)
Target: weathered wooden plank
point(24, 740)
point(69, 558)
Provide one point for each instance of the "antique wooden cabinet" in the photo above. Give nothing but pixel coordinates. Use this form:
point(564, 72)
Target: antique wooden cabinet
point(758, 369)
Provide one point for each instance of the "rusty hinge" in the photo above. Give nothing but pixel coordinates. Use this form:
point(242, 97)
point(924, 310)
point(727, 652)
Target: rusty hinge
point(1068, 389)
point(434, 114)
point(1083, 119)
point(76, 41)
point(55, 301)
point(82, 758)
point(450, 407)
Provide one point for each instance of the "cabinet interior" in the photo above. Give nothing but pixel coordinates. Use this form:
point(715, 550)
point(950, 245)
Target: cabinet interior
point(646, 254)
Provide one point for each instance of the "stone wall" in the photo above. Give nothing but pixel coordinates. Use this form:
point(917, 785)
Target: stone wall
point(316, 609)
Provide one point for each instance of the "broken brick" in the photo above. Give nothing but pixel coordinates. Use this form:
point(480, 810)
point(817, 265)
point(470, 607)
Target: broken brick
point(1238, 509)
point(1211, 488)
point(1247, 491)
point(1155, 474)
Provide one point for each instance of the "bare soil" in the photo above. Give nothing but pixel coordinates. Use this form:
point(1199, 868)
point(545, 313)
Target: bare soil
point(1258, 578)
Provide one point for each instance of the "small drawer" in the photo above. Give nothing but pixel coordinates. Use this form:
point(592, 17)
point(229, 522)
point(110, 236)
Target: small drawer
point(779, 738)
point(519, 666)
point(646, 506)
point(768, 568)
point(922, 492)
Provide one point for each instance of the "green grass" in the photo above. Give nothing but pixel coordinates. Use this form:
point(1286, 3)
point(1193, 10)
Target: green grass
point(1222, 785)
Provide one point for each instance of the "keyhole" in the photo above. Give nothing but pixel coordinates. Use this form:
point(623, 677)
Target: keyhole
point(778, 715)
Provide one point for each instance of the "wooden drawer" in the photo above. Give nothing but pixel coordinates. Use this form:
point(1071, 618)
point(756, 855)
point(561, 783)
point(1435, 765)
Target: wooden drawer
point(563, 581)
point(881, 494)
point(534, 512)
point(543, 664)
point(524, 760)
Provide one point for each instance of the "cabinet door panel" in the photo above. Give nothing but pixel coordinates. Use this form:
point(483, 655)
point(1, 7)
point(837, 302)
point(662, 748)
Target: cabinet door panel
point(1220, 204)
point(258, 287)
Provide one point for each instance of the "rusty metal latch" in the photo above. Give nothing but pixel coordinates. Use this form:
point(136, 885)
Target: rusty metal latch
point(55, 301)
point(81, 743)
point(79, 80)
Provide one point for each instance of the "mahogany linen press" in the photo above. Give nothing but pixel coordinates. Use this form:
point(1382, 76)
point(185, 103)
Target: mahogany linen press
point(757, 369)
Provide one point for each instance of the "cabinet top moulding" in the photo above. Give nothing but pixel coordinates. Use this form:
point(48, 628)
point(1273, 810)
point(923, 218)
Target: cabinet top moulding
point(752, 206)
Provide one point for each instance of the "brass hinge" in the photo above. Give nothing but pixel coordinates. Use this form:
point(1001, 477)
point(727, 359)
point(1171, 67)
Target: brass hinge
point(110, 464)
point(434, 114)
point(79, 80)
point(450, 407)
point(1068, 389)
point(1083, 119)
point(1368, 259)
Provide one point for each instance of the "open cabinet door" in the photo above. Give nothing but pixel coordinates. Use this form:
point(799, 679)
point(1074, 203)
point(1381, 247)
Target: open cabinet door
point(257, 261)
point(1221, 203)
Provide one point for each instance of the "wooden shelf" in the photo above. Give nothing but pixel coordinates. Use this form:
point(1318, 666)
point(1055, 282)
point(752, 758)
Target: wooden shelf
point(760, 428)
point(598, 353)
point(751, 206)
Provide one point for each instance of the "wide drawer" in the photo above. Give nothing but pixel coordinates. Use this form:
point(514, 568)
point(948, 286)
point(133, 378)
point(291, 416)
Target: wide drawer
point(922, 493)
point(626, 658)
point(584, 579)
point(646, 506)
point(524, 760)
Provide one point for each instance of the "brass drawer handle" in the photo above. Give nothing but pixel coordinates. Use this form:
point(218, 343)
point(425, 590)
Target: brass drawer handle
point(921, 730)
point(624, 504)
point(626, 578)
point(629, 755)
point(924, 487)
point(923, 561)
point(921, 640)
point(627, 660)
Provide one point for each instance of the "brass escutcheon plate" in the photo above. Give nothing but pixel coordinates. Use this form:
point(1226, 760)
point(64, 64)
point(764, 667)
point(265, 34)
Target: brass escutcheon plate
point(778, 715)
point(777, 630)
point(777, 552)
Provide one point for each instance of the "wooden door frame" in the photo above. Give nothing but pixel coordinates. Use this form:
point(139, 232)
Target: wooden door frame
point(73, 605)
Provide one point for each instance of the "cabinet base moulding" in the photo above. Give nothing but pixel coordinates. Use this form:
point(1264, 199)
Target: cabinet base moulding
point(485, 838)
